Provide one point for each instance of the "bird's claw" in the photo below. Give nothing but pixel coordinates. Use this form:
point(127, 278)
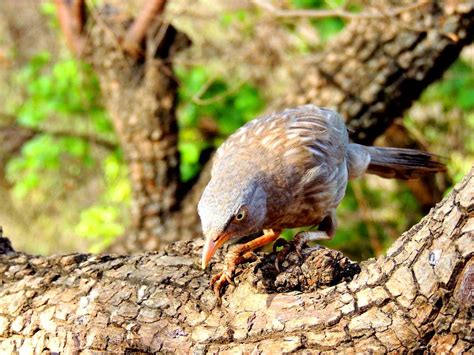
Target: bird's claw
point(239, 254)
point(220, 280)
point(226, 276)
point(300, 243)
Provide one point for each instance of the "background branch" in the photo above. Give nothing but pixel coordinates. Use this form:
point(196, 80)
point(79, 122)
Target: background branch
point(72, 17)
point(371, 13)
point(136, 33)
point(27, 133)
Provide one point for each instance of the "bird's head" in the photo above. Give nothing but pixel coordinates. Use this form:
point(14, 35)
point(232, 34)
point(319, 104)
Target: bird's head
point(230, 209)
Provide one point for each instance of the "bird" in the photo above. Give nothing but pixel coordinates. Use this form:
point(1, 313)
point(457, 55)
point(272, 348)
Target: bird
point(289, 169)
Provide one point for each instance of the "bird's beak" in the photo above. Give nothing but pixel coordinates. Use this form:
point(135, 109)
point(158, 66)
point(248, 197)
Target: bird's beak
point(213, 242)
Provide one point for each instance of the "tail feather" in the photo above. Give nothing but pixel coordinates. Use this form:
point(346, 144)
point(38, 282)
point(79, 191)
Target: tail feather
point(400, 163)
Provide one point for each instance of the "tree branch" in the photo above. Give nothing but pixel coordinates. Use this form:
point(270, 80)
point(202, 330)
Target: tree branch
point(90, 138)
point(417, 297)
point(371, 13)
point(27, 133)
point(137, 31)
point(72, 17)
point(374, 70)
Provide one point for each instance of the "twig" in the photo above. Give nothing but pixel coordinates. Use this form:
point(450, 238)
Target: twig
point(106, 143)
point(199, 101)
point(370, 14)
point(137, 31)
point(153, 42)
point(71, 19)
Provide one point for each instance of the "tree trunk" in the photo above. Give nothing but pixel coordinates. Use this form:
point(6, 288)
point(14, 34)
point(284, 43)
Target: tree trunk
point(140, 97)
point(417, 297)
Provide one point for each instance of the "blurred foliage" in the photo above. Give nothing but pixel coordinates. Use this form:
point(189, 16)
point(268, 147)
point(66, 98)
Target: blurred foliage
point(223, 108)
point(48, 9)
point(444, 118)
point(102, 223)
point(328, 26)
point(65, 90)
point(456, 91)
point(58, 94)
point(64, 96)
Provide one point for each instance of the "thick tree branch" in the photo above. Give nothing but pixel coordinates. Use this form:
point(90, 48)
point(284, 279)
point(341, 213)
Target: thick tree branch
point(417, 297)
point(376, 68)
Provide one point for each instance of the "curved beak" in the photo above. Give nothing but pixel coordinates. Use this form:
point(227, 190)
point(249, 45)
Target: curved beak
point(213, 242)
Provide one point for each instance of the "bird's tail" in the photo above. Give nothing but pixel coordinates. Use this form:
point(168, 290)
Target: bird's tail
point(402, 163)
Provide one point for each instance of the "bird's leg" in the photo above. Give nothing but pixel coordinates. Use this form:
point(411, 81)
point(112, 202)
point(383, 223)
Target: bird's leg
point(302, 238)
point(238, 255)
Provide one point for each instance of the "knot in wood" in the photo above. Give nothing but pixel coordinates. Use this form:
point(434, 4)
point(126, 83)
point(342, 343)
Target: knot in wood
point(318, 268)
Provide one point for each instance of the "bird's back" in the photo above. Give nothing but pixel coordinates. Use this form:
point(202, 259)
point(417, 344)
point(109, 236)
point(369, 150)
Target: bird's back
point(300, 155)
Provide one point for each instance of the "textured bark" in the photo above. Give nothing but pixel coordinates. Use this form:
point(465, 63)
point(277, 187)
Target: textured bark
point(373, 71)
point(417, 297)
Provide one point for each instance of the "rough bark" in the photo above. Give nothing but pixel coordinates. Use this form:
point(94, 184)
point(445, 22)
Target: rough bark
point(417, 297)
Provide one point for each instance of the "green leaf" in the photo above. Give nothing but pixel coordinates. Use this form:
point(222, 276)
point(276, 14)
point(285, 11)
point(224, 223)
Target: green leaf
point(308, 4)
point(328, 27)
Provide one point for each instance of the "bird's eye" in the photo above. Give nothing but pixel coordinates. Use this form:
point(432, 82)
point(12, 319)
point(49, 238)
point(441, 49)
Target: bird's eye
point(240, 216)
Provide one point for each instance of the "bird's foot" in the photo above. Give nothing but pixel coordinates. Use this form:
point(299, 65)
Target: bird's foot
point(299, 242)
point(236, 256)
point(233, 258)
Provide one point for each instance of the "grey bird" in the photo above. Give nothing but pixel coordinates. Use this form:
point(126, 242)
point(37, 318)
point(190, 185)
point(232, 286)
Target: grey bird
point(285, 170)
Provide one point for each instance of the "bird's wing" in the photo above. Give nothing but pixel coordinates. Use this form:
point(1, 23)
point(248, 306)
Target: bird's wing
point(322, 139)
point(304, 136)
point(321, 132)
